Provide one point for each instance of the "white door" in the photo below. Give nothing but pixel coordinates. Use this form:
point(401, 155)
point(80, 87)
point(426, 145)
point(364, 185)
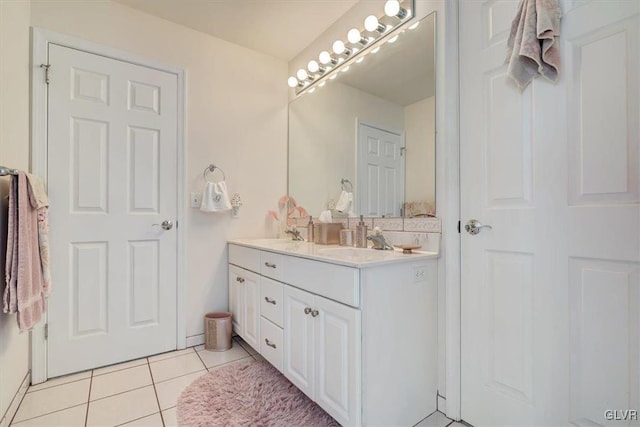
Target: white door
point(236, 298)
point(112, 168)
point(337, 350)
point(550, 295)
point(380, 183)
point(299, 357)
point(252, 310)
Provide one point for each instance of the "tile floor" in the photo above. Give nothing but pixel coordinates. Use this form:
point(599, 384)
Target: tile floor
point(141, 392)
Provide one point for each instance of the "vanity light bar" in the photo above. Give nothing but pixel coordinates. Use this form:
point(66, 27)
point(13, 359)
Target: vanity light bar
point(376, 31)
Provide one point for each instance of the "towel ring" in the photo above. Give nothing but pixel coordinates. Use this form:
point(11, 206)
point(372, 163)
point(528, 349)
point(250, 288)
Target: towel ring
point(344, 181)
point(210, 169)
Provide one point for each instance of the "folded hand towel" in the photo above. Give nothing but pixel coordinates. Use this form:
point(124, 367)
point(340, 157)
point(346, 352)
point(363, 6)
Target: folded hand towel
point(532, 47)
point(345, 201)
point(215, 197)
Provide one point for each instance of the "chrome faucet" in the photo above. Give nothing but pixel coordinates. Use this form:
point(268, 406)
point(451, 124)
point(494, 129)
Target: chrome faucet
point(295, 234)
point(378, 241)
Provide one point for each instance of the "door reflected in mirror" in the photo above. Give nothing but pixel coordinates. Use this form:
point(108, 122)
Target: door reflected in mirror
point(364, 143)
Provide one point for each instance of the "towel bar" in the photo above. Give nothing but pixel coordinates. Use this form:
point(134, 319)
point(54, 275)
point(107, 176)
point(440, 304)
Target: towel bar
point(211, 168)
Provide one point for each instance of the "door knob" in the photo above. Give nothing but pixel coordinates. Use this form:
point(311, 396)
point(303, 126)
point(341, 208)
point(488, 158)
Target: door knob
point(166, 224)
point(474, 227)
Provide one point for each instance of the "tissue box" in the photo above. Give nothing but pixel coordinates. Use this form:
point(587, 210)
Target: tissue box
point(327, 233)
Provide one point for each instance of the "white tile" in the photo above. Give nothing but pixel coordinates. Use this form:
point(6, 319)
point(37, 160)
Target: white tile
point(243, 360)
point(457, 424)
point(120, 381)
point(123, 407)
point(388, 224)
point(176, 367)
point(60, 380)
point(154, 420)
point(170, 417)
point(170, 354)
point(70, 417)
point(53, 399)
point(169, 391)
point(119, 366)
point(215, 358)
point(437, 419)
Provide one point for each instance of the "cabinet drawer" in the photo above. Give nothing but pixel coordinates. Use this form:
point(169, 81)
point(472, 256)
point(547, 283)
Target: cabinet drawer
point(273, 265)
point(335, 282)
point(271, 301)
point(244, 257)
point(271, 345)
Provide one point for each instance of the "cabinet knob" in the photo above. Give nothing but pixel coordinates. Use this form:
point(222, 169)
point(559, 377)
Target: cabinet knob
point(239, 279)
point(314, 313)
point(307, 310)
point(270, 265)
point(270, 301)
point(269, 343)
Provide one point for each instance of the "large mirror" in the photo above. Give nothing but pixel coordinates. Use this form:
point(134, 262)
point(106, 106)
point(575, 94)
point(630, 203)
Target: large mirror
point(364, 143)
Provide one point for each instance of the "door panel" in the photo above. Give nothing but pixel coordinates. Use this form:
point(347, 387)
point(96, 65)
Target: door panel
point(112, 150)
point(299, 357)
point(252, 310)
point(550, 294)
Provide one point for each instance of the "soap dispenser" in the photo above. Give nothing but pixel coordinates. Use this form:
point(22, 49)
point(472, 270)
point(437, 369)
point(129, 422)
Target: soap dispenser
point(361, 234)
point(310, 230)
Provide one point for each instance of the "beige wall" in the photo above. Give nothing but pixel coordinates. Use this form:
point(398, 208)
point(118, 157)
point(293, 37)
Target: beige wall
point(14, 152)
point(420, 139)
point(236, 118)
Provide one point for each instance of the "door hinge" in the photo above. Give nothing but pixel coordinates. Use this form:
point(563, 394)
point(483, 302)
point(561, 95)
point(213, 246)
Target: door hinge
point(46, 72)
point(402, 151)
point(46, 331)
point(458, 227)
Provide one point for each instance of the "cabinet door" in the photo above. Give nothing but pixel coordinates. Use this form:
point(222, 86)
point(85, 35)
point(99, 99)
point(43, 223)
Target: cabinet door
point(298, 339)
point(252, 310)
point(337, 352)
point(236, 298)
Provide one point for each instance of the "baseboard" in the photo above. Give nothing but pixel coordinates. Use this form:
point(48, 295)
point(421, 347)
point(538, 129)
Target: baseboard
point(195, 340)
point(442, 404)
point(15, 402)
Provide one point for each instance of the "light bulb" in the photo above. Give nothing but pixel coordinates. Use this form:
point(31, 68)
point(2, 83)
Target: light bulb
point(313, 66)
point(339, 47)
point(302, 74)
point(324, 57)
point(292, 82)
point(371, 23)
point(391, 7)
point(354, 36)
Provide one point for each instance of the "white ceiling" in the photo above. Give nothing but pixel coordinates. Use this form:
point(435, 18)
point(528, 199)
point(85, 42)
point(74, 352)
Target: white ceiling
point(280, 28)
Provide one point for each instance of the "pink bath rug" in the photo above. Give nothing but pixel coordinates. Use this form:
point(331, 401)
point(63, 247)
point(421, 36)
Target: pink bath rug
point(248, 394)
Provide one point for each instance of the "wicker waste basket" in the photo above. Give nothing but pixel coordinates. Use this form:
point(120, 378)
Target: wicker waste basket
point(217, 331)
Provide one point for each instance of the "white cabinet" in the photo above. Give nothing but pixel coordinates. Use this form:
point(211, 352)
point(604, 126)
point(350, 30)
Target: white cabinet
point(322, 352)
point(360, 340)
point(244, 303)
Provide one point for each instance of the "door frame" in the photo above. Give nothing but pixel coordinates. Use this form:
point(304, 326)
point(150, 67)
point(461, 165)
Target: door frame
point(40, 40)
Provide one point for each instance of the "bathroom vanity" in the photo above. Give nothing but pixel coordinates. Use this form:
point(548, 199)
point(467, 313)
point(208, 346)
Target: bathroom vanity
point(354, 329)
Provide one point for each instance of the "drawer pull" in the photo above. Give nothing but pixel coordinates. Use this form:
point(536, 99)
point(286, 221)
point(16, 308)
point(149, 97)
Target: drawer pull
point(307, 310)
point(270, 265)
point(314, 313)
point(269, 343)
point(270, 301)
point(239, 279)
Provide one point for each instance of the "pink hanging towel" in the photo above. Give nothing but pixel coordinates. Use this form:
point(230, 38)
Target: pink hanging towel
point(24, 291)
point(532, 48)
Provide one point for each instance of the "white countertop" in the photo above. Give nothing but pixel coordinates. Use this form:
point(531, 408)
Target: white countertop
point(343, 255)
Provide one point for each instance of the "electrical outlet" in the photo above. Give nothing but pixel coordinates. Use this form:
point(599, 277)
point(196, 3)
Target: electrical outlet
point(419, 274)
point(196, 200)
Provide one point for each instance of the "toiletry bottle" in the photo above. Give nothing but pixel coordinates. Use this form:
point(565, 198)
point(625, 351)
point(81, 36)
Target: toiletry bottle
point(361, 234)
point(310, 230)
